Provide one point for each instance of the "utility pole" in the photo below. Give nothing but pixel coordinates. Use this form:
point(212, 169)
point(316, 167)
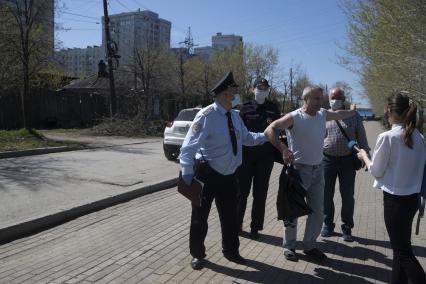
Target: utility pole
point(110, 54)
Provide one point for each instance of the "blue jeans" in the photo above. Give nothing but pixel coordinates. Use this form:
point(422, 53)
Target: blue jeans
point(313, 181)
point(342, 168)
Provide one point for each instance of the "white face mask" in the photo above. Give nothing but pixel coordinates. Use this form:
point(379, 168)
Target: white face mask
point(260, 96)
point(336, 104)
point(236, 101)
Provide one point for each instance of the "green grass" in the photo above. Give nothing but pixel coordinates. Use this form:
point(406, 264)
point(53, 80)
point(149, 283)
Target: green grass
point(24, 139)
point(71, 131)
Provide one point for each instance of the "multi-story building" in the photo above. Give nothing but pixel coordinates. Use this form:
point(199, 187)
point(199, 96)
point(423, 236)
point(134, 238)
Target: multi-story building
point(80, 62)
point(135, 30)
point(221, 42)
point(205, 53)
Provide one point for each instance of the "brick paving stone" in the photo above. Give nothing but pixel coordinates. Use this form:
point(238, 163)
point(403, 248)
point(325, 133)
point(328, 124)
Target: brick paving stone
point(146, 241)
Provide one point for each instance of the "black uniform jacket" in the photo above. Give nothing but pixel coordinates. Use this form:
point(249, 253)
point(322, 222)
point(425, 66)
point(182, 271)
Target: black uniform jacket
point(256, 118)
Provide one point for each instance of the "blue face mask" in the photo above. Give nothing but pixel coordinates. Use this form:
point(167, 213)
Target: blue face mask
point(236, 101)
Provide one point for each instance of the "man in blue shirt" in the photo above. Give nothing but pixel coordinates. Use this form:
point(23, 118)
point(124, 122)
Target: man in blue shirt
point(215, 140)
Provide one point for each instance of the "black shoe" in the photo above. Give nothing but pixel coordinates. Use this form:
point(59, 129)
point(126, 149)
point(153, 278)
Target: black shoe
point(254, 234)
point(290, 254)
point(347, 237)
point(197, 263)
point(315, 254)
point(240, 231)
point(326, 232)
point(235, 257)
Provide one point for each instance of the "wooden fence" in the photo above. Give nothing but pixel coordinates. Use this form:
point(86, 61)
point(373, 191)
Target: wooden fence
point(51, 109)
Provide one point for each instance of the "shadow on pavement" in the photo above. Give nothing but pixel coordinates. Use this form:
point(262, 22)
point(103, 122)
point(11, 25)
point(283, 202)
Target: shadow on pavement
point(30, 174)
point(265, 273)
point(357, 252)
point(418, 251)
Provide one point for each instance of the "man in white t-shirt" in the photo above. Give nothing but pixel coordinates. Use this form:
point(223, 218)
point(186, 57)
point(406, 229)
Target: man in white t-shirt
point(306, 129)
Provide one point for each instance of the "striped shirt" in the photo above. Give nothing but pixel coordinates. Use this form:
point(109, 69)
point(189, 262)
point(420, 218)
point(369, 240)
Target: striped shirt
point(335, 143)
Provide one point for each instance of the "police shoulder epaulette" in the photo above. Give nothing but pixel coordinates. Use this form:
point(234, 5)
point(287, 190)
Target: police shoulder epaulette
point(208, 110)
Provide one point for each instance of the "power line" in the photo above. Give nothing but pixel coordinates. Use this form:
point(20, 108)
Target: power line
point(67, 29)
point(124, 6)
point(79, 15)
point(81, 21)
point(140, 4)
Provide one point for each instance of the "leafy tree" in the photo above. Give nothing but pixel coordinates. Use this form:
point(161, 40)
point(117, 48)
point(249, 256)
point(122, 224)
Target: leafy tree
point(387, 43)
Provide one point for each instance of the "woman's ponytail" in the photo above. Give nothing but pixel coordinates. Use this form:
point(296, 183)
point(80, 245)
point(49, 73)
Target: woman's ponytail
point(410, 121)
point(406, 109)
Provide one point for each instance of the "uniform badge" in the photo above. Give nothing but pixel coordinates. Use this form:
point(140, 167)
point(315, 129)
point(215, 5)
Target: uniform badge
point(196, 128)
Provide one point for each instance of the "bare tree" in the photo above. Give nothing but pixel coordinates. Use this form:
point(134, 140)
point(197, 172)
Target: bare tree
point(26, 27)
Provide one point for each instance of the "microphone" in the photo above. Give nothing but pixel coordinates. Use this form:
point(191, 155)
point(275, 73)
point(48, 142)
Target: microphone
point(353, 145)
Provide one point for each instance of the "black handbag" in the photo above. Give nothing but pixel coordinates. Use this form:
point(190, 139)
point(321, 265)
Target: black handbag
point(358, 164)
point(291, 201)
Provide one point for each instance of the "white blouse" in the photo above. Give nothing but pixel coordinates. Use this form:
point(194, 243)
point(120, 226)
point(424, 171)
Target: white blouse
point(398, 169)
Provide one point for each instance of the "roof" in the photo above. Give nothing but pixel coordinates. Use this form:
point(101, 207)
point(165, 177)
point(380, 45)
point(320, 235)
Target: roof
point(123, 80)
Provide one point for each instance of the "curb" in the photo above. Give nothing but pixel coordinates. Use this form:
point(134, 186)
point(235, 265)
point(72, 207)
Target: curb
point(38, 151)
point(37, 225)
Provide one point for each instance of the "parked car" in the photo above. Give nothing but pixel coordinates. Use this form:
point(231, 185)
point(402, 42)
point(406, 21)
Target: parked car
point(366, 114)
point(175, 132)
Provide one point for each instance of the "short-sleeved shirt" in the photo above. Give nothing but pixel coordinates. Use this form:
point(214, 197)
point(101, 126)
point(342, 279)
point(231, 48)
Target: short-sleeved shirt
point(336, 144)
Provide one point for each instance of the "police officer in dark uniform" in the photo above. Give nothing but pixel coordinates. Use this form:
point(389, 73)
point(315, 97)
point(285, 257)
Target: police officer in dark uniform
point(215, 140)
point(258, 161)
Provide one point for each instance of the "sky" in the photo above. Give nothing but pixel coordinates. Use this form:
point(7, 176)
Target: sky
point(306, 33)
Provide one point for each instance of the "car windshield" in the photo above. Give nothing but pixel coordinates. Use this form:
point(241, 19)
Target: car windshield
point(365, 112)
point(187, 115)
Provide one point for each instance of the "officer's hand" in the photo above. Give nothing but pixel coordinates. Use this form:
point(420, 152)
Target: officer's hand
point(288, 156)
point(188, 179)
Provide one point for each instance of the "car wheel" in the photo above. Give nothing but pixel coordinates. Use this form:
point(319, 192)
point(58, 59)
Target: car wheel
point(169, 155)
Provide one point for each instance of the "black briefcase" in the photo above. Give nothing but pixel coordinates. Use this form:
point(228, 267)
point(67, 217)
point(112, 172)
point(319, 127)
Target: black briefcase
point(193, 191)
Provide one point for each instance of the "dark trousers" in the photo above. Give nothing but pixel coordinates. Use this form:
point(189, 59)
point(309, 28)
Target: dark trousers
point(256, 167)
point(342, 168)
point(399, 212)
point(223, 189)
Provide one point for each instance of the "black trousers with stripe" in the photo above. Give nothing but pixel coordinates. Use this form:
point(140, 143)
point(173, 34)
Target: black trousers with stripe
point(222, 189)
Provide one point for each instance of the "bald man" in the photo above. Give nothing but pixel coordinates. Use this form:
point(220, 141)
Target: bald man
point(339, 163)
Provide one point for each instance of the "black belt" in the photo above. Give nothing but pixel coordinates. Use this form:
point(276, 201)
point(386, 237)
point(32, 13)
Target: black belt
point(336, 157)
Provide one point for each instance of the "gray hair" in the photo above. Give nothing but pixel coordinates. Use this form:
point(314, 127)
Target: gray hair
point(309, 90)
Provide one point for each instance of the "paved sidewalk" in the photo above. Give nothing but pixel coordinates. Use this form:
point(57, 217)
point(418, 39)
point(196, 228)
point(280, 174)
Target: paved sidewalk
point(146, 241)
point(41, 187)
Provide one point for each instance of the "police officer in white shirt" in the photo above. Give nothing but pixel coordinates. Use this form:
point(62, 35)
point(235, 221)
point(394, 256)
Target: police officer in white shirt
point(216, 136)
